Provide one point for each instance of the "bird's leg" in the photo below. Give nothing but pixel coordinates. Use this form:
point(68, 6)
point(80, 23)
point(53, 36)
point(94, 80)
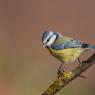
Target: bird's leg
point(61, 69)
point(79, 60)
point(80, 63)
point(60, 66)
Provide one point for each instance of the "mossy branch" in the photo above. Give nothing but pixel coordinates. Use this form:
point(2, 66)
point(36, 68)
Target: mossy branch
point(64, 78)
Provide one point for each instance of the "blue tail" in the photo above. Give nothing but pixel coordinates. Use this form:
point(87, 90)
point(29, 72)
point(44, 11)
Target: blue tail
point(91, 46)
point(85, 45)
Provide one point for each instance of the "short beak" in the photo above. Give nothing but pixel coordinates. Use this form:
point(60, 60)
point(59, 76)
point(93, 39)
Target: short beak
point(44, 45)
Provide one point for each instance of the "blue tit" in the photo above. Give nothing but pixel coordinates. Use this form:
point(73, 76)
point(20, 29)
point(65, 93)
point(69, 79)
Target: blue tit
point(65, 49)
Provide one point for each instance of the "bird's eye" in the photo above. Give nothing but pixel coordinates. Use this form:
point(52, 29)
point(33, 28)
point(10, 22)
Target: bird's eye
point(47, 40)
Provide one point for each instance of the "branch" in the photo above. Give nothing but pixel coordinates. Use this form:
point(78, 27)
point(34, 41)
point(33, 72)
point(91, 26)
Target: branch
point(64, 78)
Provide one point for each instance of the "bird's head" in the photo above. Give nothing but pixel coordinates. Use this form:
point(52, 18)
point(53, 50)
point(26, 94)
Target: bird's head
point(49, 37)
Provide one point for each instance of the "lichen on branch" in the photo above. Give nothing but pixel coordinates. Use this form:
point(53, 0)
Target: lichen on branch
point(64, 78)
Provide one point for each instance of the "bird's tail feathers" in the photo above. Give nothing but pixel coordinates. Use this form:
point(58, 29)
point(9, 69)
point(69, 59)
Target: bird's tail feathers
point(91, 46)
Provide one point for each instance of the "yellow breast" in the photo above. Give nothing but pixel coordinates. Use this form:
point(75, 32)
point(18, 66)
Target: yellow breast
point(66, 55)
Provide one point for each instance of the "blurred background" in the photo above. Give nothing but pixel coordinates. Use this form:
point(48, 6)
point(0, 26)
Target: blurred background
point(25, 67)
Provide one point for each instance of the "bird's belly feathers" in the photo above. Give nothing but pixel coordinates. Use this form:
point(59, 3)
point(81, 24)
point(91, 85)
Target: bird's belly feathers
point(67, 55)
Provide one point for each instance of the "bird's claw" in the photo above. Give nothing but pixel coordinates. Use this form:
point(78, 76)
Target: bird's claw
point(61, 70)
point(82, 76)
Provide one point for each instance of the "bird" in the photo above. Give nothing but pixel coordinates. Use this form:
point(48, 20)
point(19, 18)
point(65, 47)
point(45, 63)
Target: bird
point(65, 49)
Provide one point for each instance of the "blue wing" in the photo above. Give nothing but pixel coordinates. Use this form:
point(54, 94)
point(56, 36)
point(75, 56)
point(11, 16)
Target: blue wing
point(71, 44)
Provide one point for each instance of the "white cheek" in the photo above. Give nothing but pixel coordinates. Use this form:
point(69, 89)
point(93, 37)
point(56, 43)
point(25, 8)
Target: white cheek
point(52, 40)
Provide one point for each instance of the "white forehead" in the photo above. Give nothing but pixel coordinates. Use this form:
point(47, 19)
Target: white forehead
point(50, 33)
point(48, 36)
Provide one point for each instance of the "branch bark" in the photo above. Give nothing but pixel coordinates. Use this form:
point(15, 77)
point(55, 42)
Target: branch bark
point(64, 78)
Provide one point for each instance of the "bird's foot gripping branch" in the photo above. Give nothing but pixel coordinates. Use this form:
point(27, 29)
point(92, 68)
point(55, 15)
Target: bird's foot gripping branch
point(64, 78)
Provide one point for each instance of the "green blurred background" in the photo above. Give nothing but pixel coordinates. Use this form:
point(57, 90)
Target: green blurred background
point(25, 67)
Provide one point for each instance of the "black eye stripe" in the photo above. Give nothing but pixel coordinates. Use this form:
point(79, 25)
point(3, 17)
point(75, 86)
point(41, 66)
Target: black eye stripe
point(49, 39)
